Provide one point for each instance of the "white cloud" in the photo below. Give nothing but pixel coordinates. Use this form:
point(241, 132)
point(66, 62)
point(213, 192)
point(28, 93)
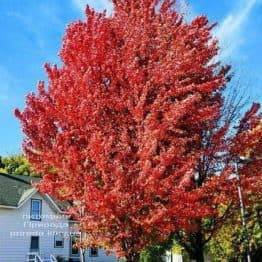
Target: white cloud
point(187, 10)
point(230, 31)
point(79, 4)
point(98, 4)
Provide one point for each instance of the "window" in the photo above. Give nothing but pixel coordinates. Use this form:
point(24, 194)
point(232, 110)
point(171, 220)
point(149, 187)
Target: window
point(59, 240)
point(93, 252)
point(74, 248)
point(36, 209)
point(34, 244)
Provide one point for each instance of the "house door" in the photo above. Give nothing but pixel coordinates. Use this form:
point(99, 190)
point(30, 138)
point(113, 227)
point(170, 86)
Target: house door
point(34, 244)
point(74, 251)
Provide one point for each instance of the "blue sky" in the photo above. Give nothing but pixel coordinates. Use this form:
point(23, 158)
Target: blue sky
point(31, 33)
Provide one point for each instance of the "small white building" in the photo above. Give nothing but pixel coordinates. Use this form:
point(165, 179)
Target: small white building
point(172, 257)
point(34, 224)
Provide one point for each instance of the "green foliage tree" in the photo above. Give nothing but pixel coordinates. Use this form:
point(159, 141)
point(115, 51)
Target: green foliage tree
point(1, 164)
point(228, 244)
point(16, 165)
point(153, 254)
point(156, 253)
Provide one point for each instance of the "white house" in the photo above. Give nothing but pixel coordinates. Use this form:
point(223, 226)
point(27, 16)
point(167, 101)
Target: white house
point(34, 227)
point(172, 257)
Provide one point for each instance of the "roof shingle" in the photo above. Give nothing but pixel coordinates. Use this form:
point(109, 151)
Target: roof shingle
point(14, 189)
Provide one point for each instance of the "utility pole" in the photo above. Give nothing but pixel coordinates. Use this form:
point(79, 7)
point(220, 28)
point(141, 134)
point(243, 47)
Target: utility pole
point(242, 209)
point(81, 250)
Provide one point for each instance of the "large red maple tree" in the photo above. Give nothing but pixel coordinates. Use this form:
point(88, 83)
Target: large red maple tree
point(119, 128)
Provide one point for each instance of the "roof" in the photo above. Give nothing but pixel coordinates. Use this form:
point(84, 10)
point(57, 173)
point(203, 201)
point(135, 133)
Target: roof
point(12, 190)
point(27, 179)
point(16, 189)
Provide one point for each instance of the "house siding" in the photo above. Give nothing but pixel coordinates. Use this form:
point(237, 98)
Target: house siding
point(16, 230)
point(102, 257)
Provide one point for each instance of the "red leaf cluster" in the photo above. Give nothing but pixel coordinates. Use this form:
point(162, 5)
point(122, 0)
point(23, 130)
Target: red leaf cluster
point(118, 129)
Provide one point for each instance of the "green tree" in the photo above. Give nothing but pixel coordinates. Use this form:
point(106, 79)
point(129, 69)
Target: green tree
point(16, 165)
point(153, 254)
point(228, 244)
point(156, 253)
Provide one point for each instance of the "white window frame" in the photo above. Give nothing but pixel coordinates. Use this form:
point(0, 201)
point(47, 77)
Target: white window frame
point(36, 217)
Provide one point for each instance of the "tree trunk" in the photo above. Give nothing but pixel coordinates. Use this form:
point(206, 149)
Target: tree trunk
point(133, 257)
point(198, 251)
point(199, 255)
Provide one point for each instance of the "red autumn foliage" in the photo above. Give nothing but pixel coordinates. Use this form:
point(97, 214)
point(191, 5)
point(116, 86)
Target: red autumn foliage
point(120, 128)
